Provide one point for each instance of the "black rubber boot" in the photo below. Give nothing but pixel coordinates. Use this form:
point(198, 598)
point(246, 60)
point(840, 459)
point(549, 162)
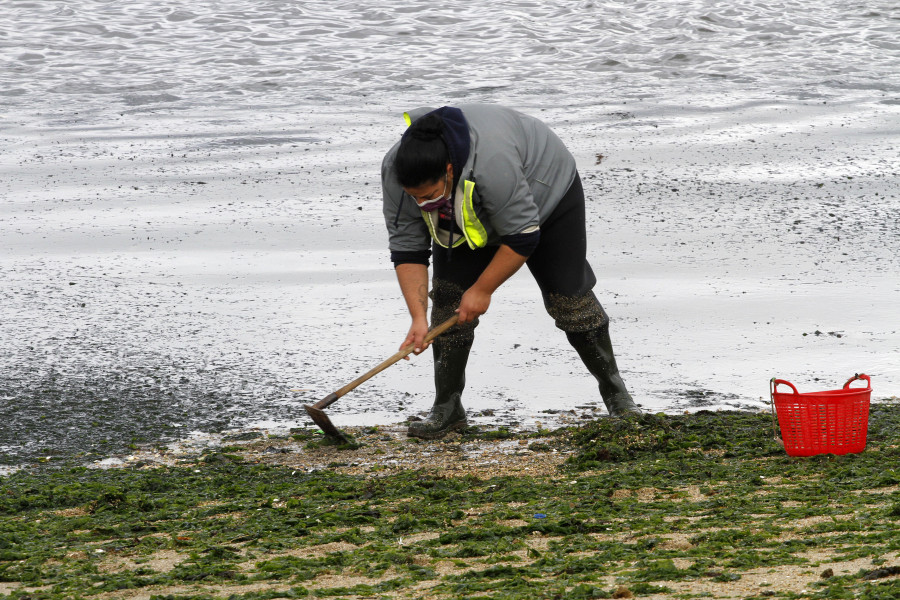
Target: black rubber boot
point(448, 413)
point(595, 349)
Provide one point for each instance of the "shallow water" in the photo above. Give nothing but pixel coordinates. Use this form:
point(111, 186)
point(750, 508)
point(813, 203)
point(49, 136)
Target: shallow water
point(104, 55)
point(192, 239)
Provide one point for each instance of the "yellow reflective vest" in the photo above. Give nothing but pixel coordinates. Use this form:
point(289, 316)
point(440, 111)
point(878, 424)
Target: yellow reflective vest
point(464, 213)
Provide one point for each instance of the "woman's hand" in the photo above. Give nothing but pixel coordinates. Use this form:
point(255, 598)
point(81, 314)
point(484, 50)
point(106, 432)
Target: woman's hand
point(417, 332)
point(477, 299)
point(474, 303)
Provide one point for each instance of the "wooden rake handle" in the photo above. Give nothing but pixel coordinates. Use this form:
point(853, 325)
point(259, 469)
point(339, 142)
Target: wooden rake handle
point(405, 351)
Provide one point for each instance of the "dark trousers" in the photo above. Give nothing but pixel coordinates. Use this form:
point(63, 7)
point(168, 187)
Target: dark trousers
point(559, 263)
point(559, 266)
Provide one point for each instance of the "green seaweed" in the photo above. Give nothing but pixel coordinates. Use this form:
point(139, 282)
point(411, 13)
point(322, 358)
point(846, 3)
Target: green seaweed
point(716, 481)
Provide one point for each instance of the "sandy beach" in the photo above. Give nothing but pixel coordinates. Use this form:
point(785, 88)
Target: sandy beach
point(220, 273)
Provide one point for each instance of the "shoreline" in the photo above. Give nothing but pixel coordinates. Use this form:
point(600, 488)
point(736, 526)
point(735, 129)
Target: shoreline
point(175, 284)
point(483, 444)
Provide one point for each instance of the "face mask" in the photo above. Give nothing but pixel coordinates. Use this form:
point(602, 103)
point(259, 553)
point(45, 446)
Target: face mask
point(435, 203)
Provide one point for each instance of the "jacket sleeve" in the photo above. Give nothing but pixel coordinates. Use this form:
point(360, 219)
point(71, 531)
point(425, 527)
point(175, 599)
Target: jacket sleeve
point(506, 195)
point(523, 243)
point(408, 237)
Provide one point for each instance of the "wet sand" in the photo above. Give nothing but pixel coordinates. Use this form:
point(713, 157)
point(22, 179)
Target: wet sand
point(174, 273)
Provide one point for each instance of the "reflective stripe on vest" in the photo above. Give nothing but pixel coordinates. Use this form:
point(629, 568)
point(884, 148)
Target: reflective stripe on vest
point(475, 232)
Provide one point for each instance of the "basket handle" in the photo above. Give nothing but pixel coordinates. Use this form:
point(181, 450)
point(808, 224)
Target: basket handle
point(859, 376)
point(772, 384)
point(777, 382)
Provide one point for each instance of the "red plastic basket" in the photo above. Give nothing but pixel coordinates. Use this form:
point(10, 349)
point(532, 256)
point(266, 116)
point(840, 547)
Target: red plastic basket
point(831, 422)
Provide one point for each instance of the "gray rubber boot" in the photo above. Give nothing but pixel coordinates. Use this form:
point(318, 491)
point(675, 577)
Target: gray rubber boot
point(595, 349)
point(448, 413)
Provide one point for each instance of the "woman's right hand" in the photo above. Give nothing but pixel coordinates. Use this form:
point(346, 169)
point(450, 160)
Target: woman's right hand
point(417, 332)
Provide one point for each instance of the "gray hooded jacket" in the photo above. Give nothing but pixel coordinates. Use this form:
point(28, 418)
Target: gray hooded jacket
point(520, 168)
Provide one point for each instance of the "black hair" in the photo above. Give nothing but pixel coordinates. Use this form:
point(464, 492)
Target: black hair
point(422, 157)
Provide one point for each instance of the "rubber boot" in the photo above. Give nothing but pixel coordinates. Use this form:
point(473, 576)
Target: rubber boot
point(448, 413)
point(595, 349)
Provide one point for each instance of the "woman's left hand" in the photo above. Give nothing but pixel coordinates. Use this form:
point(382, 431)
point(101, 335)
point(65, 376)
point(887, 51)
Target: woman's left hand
point(474, 303)
point(477, 299)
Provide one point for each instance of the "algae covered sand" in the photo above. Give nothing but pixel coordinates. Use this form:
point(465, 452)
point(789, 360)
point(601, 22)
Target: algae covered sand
point(706, 505)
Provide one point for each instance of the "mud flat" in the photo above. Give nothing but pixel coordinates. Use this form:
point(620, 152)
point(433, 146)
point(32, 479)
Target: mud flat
point(173, 274)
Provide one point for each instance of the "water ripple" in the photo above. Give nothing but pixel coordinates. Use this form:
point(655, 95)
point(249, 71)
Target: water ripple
point(343, 49)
